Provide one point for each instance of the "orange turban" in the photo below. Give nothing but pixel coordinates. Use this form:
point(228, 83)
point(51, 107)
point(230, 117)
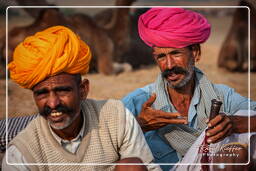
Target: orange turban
point(48, 53)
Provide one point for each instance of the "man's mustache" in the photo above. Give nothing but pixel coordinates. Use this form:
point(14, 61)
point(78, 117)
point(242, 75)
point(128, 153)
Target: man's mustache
point(60, 108)
point(174, 70)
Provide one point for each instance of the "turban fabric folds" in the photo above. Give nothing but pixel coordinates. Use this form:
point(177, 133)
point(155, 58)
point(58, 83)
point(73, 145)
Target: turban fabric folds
point(48, 53)
point(173, 27)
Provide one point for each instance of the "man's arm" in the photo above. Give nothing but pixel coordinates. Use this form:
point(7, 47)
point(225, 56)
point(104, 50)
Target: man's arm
point(134, 144)
point(223, 125)
point(130, 167)
point(151, 119)
point(14, 156)
point(240, 124)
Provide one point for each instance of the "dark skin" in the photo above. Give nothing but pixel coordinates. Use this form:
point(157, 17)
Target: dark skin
point(150, 119)
point(64, 89)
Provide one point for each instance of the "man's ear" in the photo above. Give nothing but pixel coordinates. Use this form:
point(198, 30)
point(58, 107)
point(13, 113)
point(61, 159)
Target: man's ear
point(196, 55)
point(84, 88)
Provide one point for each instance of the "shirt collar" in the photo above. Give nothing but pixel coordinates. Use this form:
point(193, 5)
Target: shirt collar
point(163, 102)
point(78, 137)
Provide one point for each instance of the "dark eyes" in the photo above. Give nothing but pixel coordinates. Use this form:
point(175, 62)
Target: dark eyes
point(161, 56)
point(58, 91)
point(40, 92)
point(64, 89)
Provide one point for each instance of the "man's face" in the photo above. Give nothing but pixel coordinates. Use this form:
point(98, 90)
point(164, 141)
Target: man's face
point(176, 65)
point(58, 99)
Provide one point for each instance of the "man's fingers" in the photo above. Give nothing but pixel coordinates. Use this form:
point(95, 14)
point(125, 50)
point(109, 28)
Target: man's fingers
point(175, 121)
point(150, 101)
point(216, 120)
point(207, 120)
point(218, 128)
point(169, 115)
point(220, 135)
point(222, 138)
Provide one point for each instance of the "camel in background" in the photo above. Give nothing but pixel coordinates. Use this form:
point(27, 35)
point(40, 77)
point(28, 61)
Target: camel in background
point(137, 53)
point(234, 52)
point(107, 43)
point(101, 44)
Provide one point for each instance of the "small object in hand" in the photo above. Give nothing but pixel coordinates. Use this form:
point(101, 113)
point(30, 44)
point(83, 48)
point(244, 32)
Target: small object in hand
point(215, 108)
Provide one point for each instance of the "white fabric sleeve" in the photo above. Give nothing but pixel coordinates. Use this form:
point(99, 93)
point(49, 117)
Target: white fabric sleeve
point(192, 155)
point(14, 156)
point(134, 143)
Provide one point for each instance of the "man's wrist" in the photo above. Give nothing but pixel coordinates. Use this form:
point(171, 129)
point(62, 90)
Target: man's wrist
point(240, 124)
point(141, 123)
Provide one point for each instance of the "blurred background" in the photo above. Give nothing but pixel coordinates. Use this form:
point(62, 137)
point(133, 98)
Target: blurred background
point(121, 61)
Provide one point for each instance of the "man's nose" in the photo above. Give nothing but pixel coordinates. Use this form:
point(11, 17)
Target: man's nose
point(53, 101)
point(170, 62)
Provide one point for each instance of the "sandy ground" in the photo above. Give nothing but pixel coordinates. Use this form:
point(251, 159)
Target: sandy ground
point(20, 101)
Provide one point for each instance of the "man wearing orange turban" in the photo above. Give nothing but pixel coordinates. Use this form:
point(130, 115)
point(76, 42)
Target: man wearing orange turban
point(48, 53)
point(70, 129)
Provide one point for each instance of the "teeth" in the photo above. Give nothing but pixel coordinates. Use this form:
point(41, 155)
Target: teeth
point(56, 114)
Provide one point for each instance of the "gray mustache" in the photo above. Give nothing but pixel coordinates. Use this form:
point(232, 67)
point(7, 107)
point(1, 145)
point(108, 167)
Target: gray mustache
point(174, 70)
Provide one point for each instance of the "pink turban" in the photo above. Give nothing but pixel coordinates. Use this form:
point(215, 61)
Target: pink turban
point(173, 27)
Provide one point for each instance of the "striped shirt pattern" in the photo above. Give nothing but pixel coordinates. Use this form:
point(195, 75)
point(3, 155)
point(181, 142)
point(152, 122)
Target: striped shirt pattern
point(15, 125)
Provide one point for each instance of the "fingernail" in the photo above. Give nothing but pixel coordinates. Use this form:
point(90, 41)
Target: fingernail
point(208, 134)
point(209, 140)
point(209, 125)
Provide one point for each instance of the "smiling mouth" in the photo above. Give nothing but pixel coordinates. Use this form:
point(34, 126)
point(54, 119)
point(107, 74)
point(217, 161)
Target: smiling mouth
point(173, 77)
point(55, 114)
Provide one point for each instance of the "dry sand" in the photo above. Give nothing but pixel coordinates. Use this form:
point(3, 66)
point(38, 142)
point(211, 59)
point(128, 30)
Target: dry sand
point(20, 101)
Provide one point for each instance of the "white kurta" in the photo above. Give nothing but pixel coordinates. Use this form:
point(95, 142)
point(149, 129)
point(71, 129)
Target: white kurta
point(191, 157)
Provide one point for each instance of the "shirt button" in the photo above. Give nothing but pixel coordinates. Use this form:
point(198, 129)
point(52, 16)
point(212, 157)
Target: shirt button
point(158, 153)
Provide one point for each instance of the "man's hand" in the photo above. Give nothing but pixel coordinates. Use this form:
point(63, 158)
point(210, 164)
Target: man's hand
point(222, 126)
point(219, 128)
point(151, 119)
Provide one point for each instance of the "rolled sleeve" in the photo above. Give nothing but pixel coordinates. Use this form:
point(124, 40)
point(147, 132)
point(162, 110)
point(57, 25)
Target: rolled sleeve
point(14, 156)
point(134, 143)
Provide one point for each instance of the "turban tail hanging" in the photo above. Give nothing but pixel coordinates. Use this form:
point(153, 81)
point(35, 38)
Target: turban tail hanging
point(48, 53)
point(173, 27)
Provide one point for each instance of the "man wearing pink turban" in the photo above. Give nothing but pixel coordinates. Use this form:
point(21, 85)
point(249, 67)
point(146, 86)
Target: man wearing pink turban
point(173, 27)
point(172, 110)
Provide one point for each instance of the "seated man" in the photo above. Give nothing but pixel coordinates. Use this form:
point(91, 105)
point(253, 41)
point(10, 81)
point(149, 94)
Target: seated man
point(179, 101)
point(172, 111)
point(70, 128)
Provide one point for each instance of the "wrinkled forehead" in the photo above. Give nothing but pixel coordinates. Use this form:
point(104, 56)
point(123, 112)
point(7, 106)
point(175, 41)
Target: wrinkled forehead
point(157, 50)
point(63, 79)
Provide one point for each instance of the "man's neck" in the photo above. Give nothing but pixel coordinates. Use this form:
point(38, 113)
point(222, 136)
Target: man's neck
point(71, 131)
point(181, 97)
